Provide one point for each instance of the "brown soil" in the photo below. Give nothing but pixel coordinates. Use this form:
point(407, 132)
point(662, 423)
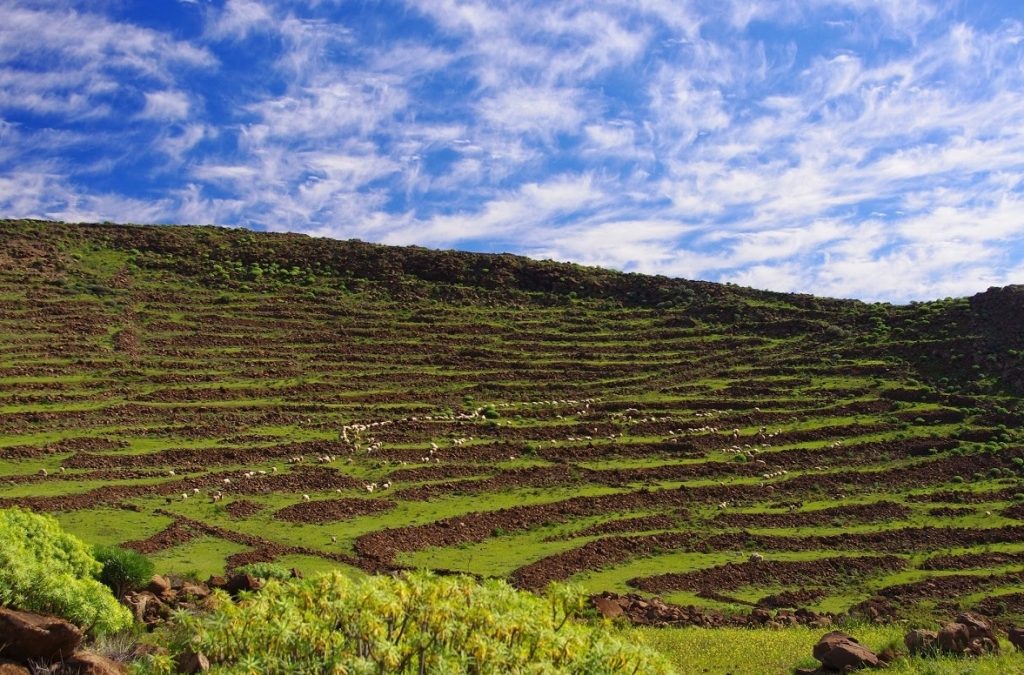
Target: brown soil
point(731, 576)
point(331, 510)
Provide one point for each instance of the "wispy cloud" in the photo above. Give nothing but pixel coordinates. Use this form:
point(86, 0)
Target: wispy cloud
point(869, 148)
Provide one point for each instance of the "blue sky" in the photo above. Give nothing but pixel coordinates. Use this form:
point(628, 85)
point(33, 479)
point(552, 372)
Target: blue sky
point(854, 148)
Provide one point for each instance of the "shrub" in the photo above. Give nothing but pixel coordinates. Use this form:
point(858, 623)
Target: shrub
point(44, 569)
point(264, 570)
point(409, 624)
point(123, 570)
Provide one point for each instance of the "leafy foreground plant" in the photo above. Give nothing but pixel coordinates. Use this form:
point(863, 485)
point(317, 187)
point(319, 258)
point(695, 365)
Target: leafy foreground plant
point(416, 623)
point(44, 569)
point(123, 569)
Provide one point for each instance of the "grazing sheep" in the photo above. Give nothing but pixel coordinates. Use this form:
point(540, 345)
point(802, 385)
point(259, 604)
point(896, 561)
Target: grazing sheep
point(44, 472)
point(305, 498)
point(756, 558)
point(334, 540)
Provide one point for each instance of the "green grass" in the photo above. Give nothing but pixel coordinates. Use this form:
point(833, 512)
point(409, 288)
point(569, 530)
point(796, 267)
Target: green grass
point(742, 651)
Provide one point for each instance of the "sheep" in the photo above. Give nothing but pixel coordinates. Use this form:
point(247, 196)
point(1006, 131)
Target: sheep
point(756, 558)
point(44, 472)
point(305, 498)
point(195, 491)
point(62, 469)
point(171, 472)
point(227, 481)
point(334, 540)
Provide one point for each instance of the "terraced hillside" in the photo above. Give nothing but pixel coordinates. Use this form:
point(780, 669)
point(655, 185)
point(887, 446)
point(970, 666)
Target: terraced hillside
point(214, 397)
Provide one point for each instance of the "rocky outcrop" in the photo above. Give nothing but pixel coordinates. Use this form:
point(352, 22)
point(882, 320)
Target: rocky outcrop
point(967, 635)
point(839, 652)
point(37, 637)
point(920, 641)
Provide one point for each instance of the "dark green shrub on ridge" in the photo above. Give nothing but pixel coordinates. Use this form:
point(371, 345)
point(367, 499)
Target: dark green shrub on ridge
point(123, 570)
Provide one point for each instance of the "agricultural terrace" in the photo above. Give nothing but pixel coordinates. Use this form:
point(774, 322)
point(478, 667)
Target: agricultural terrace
point(217, 397)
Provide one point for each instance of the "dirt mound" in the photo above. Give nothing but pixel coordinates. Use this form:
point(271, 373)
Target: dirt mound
point(243, 508)
point(331, 510)
point(731, 576)
point(838, 515)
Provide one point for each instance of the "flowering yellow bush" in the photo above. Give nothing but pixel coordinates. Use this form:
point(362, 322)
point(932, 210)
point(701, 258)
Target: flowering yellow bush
point(45, 569)
point(417, 623)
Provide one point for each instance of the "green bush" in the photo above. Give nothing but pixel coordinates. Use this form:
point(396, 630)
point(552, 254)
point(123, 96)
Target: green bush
point(409, 624)
point(44, 569)
point(123, 569)
point(264, 571)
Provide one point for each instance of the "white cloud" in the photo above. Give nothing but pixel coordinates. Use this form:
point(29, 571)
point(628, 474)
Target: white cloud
point(713, 140)
point(166, 105)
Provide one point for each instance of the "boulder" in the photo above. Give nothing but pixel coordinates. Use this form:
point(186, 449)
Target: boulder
point(953, 638)
point(919, 641)
point(1016, 636)
point(137, 602)
point(982, 638)
point(34, 636)
point(838, 651)
point(192, 662)
point(193, 590)
point(607, 607)
point(88, 663)
point(242, 582)
point(158, 585)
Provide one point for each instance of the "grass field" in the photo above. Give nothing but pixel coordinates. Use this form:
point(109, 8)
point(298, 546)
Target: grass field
point(216, 397)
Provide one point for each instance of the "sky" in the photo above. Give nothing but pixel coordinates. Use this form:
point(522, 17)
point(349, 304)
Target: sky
point(854, 148)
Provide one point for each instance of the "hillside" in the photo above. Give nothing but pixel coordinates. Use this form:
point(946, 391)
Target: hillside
point(214, 397)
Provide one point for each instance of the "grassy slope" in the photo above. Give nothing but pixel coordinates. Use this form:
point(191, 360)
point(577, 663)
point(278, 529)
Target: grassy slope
point(127, 353)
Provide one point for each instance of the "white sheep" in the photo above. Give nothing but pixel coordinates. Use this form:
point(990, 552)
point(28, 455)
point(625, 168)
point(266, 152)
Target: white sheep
point(305, 498)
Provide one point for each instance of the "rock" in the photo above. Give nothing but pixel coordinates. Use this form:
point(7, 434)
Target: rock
point(34, 636)
point(158, 585)
point(838, 651)
point(217, 581)
point(147, 608)
point(137, 602)
point(242, 582)
point(192, 662)
point(196, 591)
point(982, 639)
point(953, 638)
point(12, 668)
point(1016, 636)
point(607, 607)
point(919, 641)
point(87, 663)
